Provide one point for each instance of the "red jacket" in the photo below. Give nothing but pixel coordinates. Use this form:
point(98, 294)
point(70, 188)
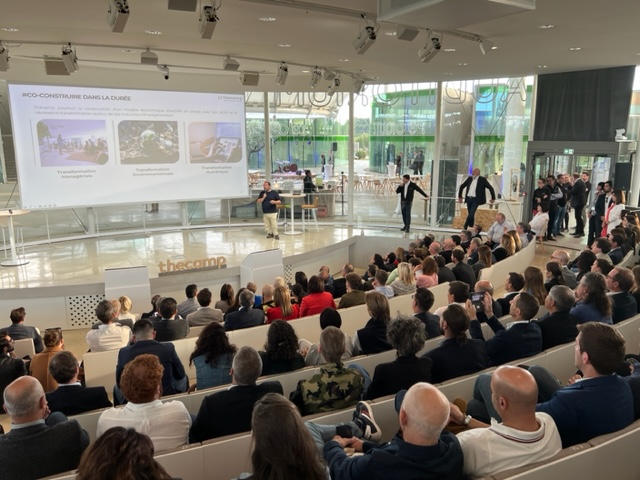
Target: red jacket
point(315, 303)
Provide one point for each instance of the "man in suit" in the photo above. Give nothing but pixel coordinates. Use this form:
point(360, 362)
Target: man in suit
point(174, 378)
point(462, 271)
point(487, 287)
point(475, 196)
point(444, 273)
point(354, 295)
point(340, 284)
point(512, 285)
point(624, 305)
point(406, 191)
point(39, 444)
point(578, 199)
point(522, 339)
point(168, 327)
point(558, 326)
point(190, 305)
point(19, 331)
point(616, 253)
point(561, 257)
point(596, 213)
point(229, 411)
point(10, 366)
point(205, 314)
point(422, 302)
point(71, 398)
point(447, 248)
point(246, 316)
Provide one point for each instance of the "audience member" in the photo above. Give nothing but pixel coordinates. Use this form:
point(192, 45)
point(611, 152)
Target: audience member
point(227, 412)
point(379, 284)
point(317, 299)
point(499, 228)
point(169, 326)
point(619, 283)
point(562, 257)
point(190, 305)
point(523, 230)
point(280, 353)
point(429, 276)
point(512, 285)
point(616, 253)
point(267, 298)
point(354, 296)
point(39, 366)
point(593, 304)
point(301, 279)
point(154, 307)
point(19, 331)
point(583, 263)
point(447, 249)
point(121, 453)
point(506, 248)
point(10, 366)
point(461, 270)
point(484, 258)
point(602, 266)
point(125, 311)
point(486, 286)
point(407, 335)
point(522, 339)
point(635, 290)
point(534, 283)
point(372, 338)
point(558, 325)
point(340, 284)
point(226, 298)
point(109, 335)
point(458, 294)
point(601, 247)
point(166, 423)
point(39, 444)
point(329, 317)
point(246, 316)
point(422, 302)
point(118, 317)
point(523, 437)
point(212, 357)
point(472, 253)
point(445, 274)
point(405, 283)
point(282, 308)
point(553, 275)
point(204, 315)
point(335, 386)
point(457, 355)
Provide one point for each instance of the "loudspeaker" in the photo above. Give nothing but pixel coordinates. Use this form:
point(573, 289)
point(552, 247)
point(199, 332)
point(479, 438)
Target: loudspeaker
point(250, 79)
point(622, 176)
point(335, 146)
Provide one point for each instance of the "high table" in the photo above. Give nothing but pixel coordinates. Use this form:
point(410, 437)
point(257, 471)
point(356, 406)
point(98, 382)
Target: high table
point(293, 197)
point(14, 261)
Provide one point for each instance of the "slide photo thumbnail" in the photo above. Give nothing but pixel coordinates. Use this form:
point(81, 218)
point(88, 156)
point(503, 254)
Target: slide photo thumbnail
point(72, 143)
point(148, 142)
point(215, 142)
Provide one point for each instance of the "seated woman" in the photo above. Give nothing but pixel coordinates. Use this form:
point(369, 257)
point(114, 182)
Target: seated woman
point(594, 305)
point(235, 305)
point(301, 279)
point(282, 309)
point(405, 282)
point(553, 273)
point(485, 260)
point(407, 335)
point(506, 248)
point(584, 262)
point(317, 299)
point(39, 366)
point(226, 298)
point(281, 350)
point(121, 453)
point(212, 357)
point(534, 283)
point(602, 266)
point(373, 337)
point(516, 239)
point(541, 218)
point(125, 309)
point(429, 277)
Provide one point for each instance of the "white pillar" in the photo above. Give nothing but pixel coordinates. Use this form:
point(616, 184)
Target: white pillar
point(91, 220)
point(351, 156)
point(267, 137)
point(514, 132)
point(437, 151)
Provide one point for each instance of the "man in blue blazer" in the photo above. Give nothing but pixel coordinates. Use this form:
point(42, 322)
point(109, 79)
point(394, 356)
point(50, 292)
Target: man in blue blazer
point(623, 304)
point(522, 339)
point(475, 196)
point(246, 316)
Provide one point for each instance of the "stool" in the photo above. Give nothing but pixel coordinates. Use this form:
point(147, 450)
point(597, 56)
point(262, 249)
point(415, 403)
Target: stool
point(282, 208)
point(313, 208)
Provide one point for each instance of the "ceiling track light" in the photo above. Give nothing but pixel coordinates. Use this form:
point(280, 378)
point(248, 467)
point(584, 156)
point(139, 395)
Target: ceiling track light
point(316, 75)
point(208, 21)
point(230, 64)
point(485, 45)
point(333, 87)
point(4, 58)
point(164, 70)
point(118, 15)
point(431, 49)
point(365, 39)
point(358, 85)
point(283, 73)
point(69, 59)
point(148, 58)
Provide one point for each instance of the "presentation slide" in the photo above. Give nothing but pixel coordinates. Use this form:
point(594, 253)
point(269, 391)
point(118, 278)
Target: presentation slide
point(93, 146)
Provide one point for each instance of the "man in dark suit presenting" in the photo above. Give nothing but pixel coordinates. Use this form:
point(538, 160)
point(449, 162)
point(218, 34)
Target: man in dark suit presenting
point(578, 200)
point(406, 191)
point(475, 196)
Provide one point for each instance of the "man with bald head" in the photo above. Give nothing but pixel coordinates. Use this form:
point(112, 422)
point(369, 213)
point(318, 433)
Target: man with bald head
point(420, 450)
point(37, 434)
point(475, 195)
point(523, 437)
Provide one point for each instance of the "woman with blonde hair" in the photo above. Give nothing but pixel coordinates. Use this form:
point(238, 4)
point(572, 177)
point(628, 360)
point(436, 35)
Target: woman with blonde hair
point(404, 284)
point(534, 284)
point(282, 309)
point(485, 260)
point(516, 240)
point(506, 248)
point(125, 309)
point(400, 255)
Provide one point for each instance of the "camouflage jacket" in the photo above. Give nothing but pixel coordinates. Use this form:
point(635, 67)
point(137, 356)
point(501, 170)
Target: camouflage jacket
point(334, 388)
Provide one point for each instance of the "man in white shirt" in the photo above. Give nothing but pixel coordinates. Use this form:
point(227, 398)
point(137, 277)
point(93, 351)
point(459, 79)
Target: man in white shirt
point(498, 228)
point(167, 424)
point(110, 335)
point(523, 437)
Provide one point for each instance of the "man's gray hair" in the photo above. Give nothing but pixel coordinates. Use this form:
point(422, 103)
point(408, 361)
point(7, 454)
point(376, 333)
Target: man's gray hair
point(246, 298)
point(105, 311)
point(407, 335)
point(332, 344)
point(247, 366)
point(26, 401)
point(563, 297)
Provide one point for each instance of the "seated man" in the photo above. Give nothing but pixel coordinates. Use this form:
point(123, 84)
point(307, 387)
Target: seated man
point(598, 403)
point(562, 257)
point(522, 339)
point(559, 325)
point(229, 411)
point(458, 294)
point(498, 228)
point(512, 285)
point(71, 398)
point(422, 302)
point(335, 387)
point(380, 284)
point(205, 314)
point(167, 424)
point(423, 450)
point(246, 316)
point(523, 437)
point(18, 330)
point(110, 335)
point(487, 287)
point(616, 253)
point(190, 305)
point(174, 378)
point(623, 304)
point(10, 366)
point(462, 270)
point(328, 318)
point(39, 444)
point(354, 295)
point(169, 326)
point(340, 284)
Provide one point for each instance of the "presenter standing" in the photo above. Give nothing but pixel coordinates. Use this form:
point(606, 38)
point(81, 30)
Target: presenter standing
point(406, 199)
point(270, 201)
point(475, 196)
